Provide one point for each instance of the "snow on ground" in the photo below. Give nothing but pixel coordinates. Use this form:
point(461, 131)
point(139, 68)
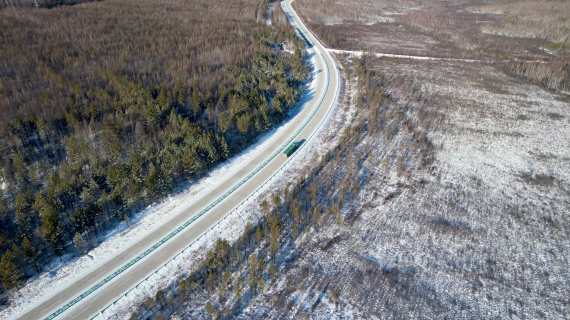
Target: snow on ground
point(471, 236)
point(145, 222)
point(367, 20)
point(359, 53)
point(233, 224)
point(517, 131)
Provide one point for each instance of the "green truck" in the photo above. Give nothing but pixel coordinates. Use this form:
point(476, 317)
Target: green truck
point(293, 147)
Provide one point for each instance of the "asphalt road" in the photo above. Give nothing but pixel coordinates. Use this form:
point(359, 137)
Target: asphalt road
point(91, 294)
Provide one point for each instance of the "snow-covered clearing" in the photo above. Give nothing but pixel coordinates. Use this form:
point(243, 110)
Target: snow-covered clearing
point(480, 232)
point(359, 53)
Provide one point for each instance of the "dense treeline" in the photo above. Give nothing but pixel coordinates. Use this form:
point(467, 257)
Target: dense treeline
point(105, 106)
point(232, 276)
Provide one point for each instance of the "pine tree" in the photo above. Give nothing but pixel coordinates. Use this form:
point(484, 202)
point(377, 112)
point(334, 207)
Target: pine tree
point(265, 207)
point(224, 282)
point(272, 271)
point(258, 234)
point(9, 272)
point(296, 220)
point(79, 242)
point(338, 214)
point(316, 215)
point(184, 288)
point(252, 271)
point(152, 180)
point(276, 201)
point(211, 310)
point(24, 214)
point(20, 172)
point(226, 151)
point(196, 103)
point(239, 288)
point(313, 194)
point(211, 280)
point(260, 283)
point(29, 253)
point(275, 232)
point(50, 225)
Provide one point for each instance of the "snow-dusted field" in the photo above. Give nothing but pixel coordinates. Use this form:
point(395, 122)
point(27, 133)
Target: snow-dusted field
point(360, 53)
point(482, 232)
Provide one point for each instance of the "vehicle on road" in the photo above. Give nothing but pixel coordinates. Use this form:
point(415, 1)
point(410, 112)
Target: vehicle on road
point(293, 147)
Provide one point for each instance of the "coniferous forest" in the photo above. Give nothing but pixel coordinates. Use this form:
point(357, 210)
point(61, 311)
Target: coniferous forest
point(106, 106)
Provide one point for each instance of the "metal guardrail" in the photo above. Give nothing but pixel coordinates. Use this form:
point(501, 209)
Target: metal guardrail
point(214, 203)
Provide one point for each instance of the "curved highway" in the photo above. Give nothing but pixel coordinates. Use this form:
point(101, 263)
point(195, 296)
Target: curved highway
point(91, 294)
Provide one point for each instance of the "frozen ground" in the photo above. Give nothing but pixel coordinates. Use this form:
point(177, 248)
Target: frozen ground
point(480, 232)
point(360, 53)
point(144, 223)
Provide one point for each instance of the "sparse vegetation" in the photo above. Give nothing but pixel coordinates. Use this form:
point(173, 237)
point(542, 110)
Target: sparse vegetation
point(553, 76)
point(528, 39)
point(543, 19)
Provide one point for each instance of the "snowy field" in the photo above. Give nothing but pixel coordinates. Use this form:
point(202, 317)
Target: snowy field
point(479, 233)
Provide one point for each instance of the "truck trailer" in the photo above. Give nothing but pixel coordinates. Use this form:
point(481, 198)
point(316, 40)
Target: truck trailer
point(293, 147)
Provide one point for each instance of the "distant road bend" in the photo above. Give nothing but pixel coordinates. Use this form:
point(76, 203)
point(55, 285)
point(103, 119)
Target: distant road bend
point(95, 291)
